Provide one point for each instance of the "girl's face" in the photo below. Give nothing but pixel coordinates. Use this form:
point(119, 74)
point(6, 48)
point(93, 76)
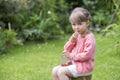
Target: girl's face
point(80, 27)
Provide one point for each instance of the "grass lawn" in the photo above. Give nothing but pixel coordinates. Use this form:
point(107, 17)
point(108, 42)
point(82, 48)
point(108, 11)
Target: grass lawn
point(34, 60)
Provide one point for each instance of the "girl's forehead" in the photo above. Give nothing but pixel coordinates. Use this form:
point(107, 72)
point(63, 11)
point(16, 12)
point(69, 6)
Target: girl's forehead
point(75, 21)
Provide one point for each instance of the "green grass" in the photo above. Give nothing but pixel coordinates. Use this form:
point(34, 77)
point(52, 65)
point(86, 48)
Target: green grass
point(107, 65)
point(34, 61)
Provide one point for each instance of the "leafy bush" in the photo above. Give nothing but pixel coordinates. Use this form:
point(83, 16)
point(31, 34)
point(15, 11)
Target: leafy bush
point(100, 15)
point(100, 18)
point(39, 27)
point(30, 20)
point(113, 31)
point(7, 40)
point(35, 19)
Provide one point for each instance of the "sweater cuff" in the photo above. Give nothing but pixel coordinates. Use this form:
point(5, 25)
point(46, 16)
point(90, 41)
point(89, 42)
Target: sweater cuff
point(71, 56)
point(72, 42)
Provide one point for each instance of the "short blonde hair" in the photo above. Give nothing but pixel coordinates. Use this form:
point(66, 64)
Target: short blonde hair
point(79, 14)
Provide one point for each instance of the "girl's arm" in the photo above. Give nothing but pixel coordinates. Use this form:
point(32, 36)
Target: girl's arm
point(88, 51)
point(68, 47)
point(71, 43)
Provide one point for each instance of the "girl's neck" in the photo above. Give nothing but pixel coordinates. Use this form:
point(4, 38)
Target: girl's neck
point(85, 33)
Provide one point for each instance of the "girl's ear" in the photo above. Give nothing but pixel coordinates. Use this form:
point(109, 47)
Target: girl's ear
point(88, 23)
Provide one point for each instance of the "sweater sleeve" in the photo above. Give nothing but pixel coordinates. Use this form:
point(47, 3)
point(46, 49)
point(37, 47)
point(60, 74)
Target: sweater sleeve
point(68, 47)
point(88, 51)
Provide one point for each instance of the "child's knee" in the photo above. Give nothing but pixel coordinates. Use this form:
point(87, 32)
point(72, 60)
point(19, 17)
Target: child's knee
point(61, 71)
point(55, 70)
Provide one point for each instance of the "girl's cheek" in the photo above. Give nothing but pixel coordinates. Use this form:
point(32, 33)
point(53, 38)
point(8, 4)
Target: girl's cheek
point(73, 29)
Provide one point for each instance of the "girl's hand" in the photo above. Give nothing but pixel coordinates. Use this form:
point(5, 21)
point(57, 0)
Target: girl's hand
point(66, 54)
point(73, 38)
point(66, 64)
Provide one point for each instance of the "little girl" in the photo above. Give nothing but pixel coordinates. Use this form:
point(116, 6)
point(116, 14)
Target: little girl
point(80, 48)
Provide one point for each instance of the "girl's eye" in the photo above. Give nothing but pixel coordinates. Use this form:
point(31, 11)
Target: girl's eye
point(80, 24)
point(73, 24)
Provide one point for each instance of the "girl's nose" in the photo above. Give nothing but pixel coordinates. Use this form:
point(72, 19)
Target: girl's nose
point(76, 26)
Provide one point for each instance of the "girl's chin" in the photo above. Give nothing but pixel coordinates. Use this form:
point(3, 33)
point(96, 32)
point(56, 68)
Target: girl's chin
point(78, 32)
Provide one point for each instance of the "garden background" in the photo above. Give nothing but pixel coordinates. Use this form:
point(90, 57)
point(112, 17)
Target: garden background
point(33, 33)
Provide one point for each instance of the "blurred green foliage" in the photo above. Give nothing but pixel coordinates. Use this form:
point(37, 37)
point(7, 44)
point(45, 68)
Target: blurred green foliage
point(46, 19)
point(113, 29)
point(7, 40)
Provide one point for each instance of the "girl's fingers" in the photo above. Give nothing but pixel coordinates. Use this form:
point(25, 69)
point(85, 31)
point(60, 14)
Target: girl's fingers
point(64, 52)
point(75, 34)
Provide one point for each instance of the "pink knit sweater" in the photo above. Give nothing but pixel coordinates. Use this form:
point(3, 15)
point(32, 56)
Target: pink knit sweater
point(82, 53)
